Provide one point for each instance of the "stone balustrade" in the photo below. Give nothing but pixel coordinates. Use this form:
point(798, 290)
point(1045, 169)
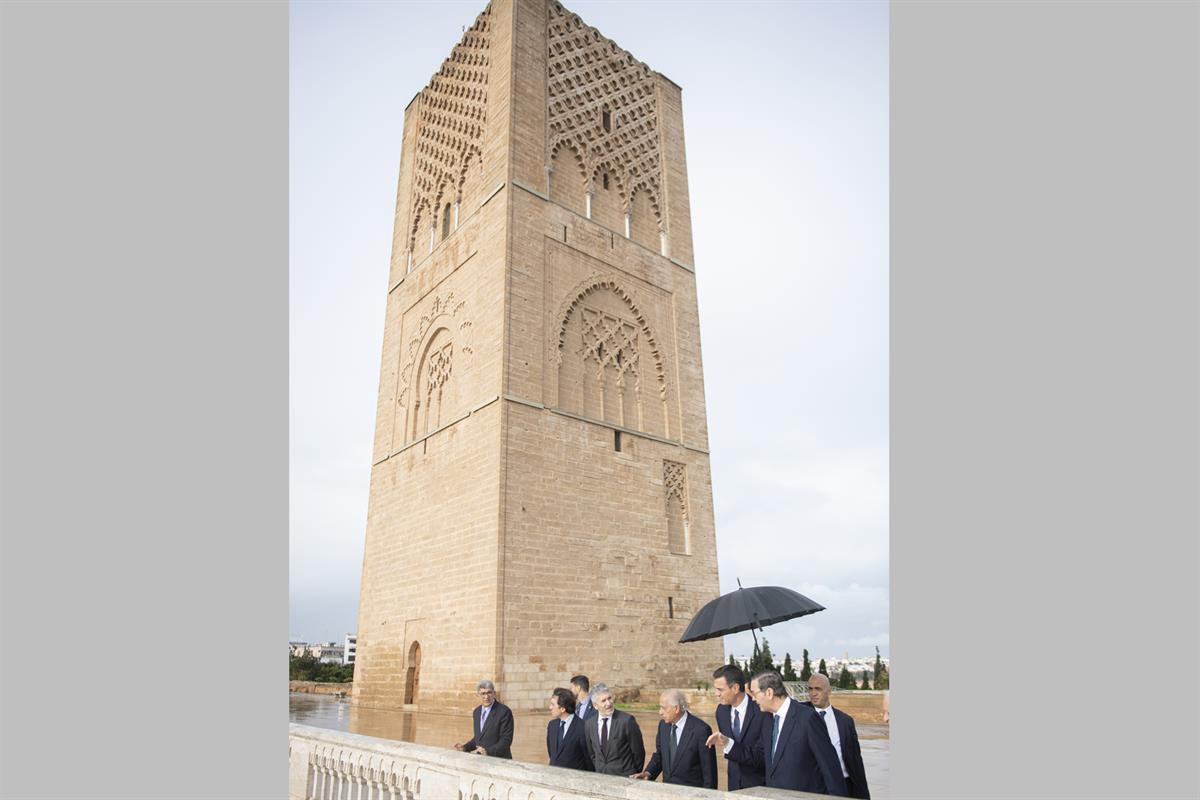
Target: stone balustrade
point(332, 765)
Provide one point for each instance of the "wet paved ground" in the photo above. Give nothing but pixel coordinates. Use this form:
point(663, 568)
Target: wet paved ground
point(529, 739)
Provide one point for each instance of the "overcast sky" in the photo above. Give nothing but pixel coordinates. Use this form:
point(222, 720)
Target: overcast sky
point(786, 127)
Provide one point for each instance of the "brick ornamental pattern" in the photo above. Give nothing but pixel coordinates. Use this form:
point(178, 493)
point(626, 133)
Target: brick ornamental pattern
point(540, 499)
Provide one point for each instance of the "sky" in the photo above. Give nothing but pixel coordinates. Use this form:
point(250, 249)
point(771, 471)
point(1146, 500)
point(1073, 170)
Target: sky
point(786, 128)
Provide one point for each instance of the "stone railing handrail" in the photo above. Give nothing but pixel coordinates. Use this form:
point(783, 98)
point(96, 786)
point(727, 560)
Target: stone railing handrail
point(333, 765)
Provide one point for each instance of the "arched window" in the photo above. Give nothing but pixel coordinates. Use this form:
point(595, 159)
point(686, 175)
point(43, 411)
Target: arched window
point(567, 179)
point(606, 199)
point(445, 221)
point(643, 221)
point(412, 682)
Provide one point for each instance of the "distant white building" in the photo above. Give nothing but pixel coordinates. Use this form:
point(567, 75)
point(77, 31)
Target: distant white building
point(327, 652)
point(349, 648)
point(297, 649)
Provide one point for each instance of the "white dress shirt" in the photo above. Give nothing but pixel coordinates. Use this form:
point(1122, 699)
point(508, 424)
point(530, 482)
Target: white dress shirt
point(679, 723)
point(741, 709)
point(781, 714)
point(567, 724)
point(600, 726)
point(834, 736)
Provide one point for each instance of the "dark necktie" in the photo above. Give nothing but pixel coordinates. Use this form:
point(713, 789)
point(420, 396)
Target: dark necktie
point(482, 718)
point(737, 726)
point(604, 737)
point(774, 737)
point(822, 713)
point(672, 743)
point(562, 728)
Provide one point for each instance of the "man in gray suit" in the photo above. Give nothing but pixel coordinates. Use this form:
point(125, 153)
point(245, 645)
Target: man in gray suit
point(614, 740)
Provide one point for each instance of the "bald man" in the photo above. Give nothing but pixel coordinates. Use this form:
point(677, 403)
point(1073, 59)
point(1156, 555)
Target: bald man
point(842, 735)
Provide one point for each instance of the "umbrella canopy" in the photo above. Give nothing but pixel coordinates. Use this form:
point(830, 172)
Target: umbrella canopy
point(746, 609)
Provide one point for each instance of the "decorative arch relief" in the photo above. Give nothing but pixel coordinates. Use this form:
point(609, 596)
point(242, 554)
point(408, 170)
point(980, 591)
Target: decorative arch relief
point(675, 490)
point(428, 392)
point(607, 360)
point(602, 102)
point(450, 131)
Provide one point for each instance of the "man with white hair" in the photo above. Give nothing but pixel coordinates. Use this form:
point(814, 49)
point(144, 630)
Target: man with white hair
point(492, 722)
point(682, 756)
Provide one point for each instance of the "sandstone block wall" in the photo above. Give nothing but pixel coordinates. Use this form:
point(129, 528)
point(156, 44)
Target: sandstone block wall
point(541, 499)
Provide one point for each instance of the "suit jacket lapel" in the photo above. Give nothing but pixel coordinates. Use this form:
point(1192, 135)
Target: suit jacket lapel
point(785, 731)
point(685, 737)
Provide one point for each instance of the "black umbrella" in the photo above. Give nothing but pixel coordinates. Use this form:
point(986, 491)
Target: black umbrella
point(747, 609)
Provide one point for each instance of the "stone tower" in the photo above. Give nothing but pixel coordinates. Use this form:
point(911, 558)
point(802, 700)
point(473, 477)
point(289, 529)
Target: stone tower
point(541, 500)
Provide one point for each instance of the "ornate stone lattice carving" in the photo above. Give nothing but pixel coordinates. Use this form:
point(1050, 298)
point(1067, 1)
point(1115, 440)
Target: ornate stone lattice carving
point(597, 283)
point(442, 305)
point(675, 483)
point(592, 82)
point(610, 342)
point(609, 365)
point(678, 518)
point(440, 363)
point(450, 128)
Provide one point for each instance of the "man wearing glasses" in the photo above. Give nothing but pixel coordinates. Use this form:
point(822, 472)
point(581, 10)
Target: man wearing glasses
point(793, 746)
point(492, 723)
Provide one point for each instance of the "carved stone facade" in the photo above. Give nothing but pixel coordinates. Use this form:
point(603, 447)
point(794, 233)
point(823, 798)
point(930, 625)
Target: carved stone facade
point(453, 117)
point(603, 139)
point(541, 499)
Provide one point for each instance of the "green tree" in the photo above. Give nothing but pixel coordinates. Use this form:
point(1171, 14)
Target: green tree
point(821, 668)
point(789, 672)
point(866, 681)
point(768, 662)
point(308, 668)
point(753, 665)
point(806, 668)
point(846, 678)
point(733, 662)
point(881, 674)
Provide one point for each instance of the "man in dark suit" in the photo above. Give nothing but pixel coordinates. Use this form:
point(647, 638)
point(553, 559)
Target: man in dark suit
point(566, 743)
point(682, 755)
point(613, 738)
point(493, 725)
point(794, 748)
point(583, 701)
point(738, 720)
point(842, 735)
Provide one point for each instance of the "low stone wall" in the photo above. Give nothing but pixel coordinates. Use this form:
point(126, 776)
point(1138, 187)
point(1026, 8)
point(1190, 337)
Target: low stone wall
point(317, 687)
point(331, 764)
point(864, 706)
